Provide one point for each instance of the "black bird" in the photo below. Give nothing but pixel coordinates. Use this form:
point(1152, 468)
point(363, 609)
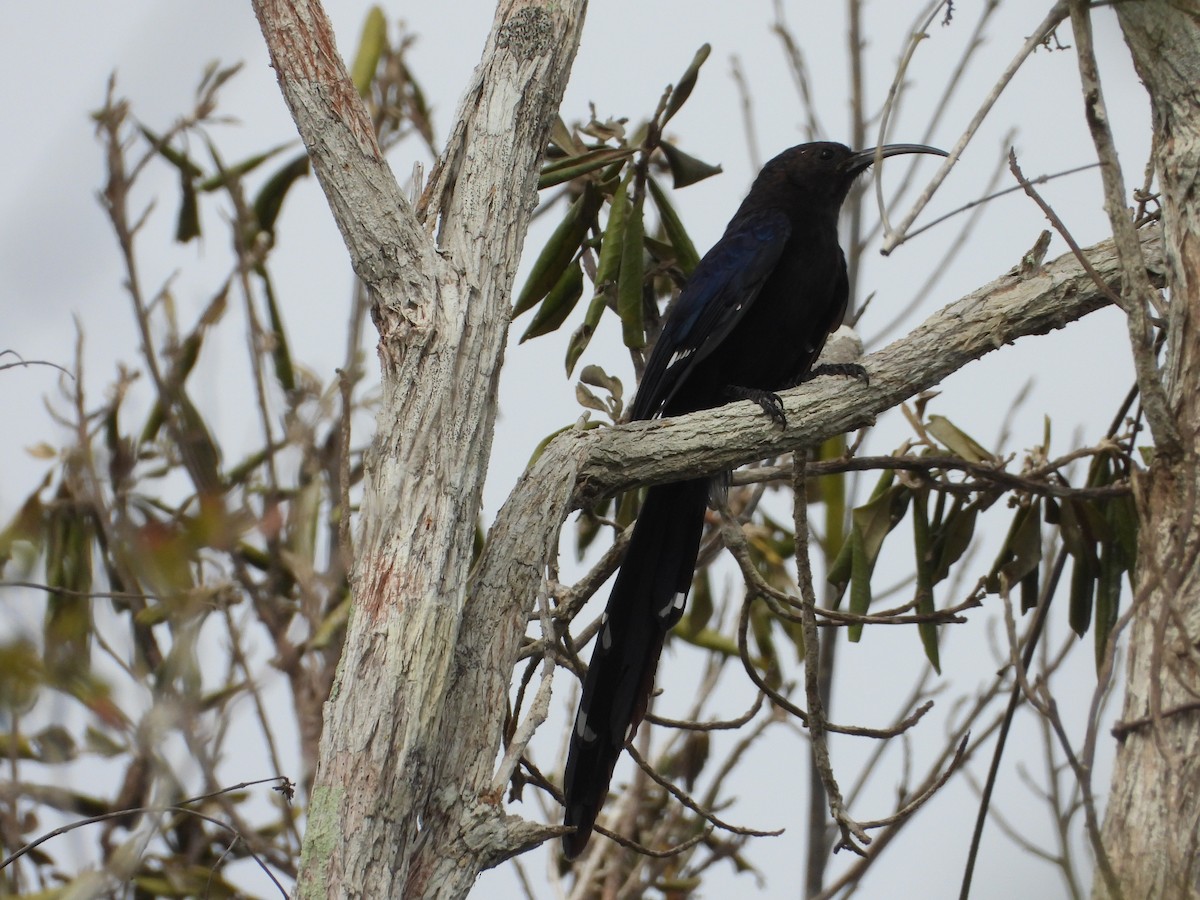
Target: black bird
point(751, 320)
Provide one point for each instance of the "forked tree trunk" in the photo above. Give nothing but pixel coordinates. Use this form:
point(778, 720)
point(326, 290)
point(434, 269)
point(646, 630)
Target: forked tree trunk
point(1152, 827)
point(398, 809)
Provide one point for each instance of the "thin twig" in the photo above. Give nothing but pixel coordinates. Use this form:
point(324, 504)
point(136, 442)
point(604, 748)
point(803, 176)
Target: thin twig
point(1135, 280)
point(1056, 14)
point(851, 830)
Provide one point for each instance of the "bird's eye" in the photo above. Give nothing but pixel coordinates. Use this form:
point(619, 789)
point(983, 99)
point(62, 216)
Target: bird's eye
point(826, 153)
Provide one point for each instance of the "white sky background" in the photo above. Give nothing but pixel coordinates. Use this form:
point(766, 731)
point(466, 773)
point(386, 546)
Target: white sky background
point(58, 261)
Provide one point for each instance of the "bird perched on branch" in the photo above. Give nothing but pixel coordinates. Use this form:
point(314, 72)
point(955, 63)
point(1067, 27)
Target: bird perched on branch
point(750, 321)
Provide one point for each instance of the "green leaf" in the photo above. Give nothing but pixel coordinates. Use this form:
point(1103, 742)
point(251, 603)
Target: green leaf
point(870, 524)
point(686, 170)
point(1107, 599)
point(68, 626)
point(558, 303)
point(630, 281)
point(281, 354)
point(560, 250)
point(685, 251)
point(687, 81)
point(187, 225)
point(953, 538)
point(957, 441)
point(227, 175)
point(1083, 585)
point(923, 547)
point(179, 160)
point(26, 526)
point(608, 267)
point(583, 334)
point(1021, 552)
point(372, 44)
point(269, 200)
point(574, 166)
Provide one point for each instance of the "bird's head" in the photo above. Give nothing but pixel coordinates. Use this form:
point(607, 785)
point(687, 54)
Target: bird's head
point(821, 174)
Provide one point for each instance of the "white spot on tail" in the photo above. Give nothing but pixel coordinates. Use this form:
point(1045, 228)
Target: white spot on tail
point(581, 728)
point(676, 602)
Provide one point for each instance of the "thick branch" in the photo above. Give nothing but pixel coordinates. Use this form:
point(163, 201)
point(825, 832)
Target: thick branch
point(387, 248)
point(988, 318)
point(581, 466)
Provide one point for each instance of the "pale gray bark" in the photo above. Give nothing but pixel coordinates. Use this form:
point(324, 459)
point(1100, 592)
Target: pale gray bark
point(396, 810)
point(1152, 826)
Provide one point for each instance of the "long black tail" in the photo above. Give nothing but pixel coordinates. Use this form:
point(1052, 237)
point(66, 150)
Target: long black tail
point(647, 599)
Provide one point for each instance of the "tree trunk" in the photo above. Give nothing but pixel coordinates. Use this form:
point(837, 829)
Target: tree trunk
point(1151, 832)
point(396, 810)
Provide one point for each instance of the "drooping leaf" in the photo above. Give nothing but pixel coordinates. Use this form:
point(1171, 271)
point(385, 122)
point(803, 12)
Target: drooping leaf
point(1083, 591)
point(26, 526)
point(924, 552)
point(560, 250)
point(685, 251)
point(685, 169)
point(687, 81)
point(68, 560)
point(281, 354)
point(953, 538)
point(187, 224)
point(182, 364)
point(269, 200)
point(558, 303)
point(870, 525)
point(582, 335)
point(1021, 552)
point(1107, 598)
point(372, 44)
point(630, 306)
point(608, 267)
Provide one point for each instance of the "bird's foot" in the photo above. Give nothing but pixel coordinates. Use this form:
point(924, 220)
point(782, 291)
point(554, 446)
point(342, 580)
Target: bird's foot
point(847, 370)
point(770, 402)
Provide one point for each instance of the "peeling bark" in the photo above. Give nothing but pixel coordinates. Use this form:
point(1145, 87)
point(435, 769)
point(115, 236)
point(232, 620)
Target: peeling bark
point(377, 823)
point(1152, 825)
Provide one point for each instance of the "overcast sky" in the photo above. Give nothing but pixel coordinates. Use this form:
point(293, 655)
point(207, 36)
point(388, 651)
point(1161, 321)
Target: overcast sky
point(59, 266)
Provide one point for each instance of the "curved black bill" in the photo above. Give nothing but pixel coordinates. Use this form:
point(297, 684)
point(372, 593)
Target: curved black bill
point(859, 161)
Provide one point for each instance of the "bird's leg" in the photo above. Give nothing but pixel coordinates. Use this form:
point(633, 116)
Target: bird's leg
point(847, 370)
point(770, 402)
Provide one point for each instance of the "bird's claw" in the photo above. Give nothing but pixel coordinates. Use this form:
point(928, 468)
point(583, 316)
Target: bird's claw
point(770, 402)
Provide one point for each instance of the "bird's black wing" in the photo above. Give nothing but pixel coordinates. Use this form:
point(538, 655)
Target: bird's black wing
point(715, 298)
